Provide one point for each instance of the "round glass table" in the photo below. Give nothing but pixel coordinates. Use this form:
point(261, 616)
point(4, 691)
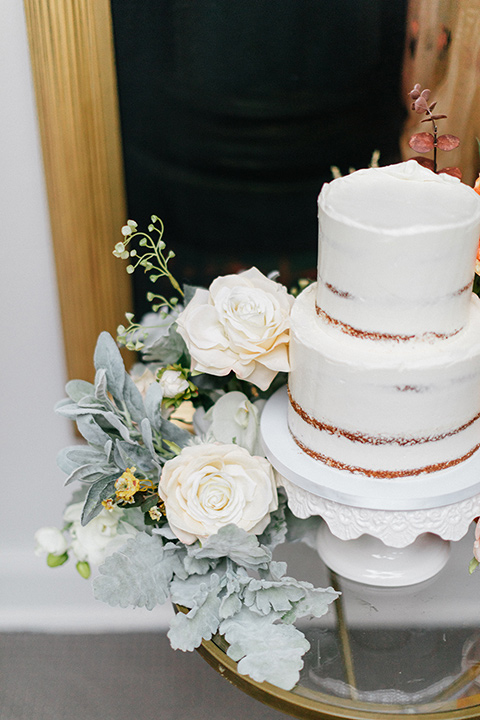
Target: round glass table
point(381, 652)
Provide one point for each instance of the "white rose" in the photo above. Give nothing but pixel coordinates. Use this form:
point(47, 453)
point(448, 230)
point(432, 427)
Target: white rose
point(102, 536)
point(50, 540)
point(242, 324)
point(173, 383)
point(209, 486)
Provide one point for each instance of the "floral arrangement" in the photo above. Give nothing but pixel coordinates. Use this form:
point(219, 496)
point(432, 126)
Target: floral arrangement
point(176, 497)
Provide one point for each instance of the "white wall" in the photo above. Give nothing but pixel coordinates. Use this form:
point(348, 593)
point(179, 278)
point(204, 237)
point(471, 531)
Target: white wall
point(32, 372)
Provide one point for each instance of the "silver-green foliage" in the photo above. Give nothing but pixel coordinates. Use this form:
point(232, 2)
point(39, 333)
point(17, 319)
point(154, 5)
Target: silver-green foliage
point(122, 428)
point(229, 585)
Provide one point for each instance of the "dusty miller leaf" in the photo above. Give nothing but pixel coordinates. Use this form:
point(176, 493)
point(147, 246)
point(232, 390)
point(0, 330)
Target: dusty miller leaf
point(266, 596)
point(314, 603)
point(191, 591)
point(276, 530)
point(201, 623)
point(232, 542)
point(139, 574)
point(265, 651)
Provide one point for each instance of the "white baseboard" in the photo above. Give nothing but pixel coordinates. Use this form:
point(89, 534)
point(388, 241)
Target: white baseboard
point(36, 598)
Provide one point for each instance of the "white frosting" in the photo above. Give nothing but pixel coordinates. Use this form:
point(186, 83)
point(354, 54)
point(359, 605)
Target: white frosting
point(384, 390)
point(397, 249)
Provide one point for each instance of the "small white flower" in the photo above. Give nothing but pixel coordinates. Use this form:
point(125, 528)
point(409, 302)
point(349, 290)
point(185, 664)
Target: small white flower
point(102, 536)
point(50, 540)
point(173, 383)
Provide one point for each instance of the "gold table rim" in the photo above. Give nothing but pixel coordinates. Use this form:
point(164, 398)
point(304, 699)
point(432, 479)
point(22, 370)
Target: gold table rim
point(306, 708)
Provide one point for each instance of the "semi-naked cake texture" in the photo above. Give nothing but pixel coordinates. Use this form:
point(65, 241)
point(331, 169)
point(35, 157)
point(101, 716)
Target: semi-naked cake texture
point(385, 347)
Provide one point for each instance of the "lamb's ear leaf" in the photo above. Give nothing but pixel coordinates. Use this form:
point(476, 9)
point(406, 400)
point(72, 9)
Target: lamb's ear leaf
point(153, 405)
point(77, 389)
point(133, 400)
point(89, 428)
point(107, 357)
point(99, 491)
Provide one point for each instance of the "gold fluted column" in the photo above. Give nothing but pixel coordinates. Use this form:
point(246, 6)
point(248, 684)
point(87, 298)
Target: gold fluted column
point(72, 55)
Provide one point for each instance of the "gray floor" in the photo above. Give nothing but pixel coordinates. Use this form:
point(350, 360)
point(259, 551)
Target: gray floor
point(131, 676)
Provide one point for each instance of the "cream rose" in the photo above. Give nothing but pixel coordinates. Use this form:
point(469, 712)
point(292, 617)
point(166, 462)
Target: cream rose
point(242, 324)
point(209, 486)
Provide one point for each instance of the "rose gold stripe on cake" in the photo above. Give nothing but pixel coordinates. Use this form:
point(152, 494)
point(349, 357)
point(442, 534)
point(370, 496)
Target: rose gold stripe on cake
point(348, 296)
point(465, 289)
point(367, 335)
point(384, 474)
point(374, 439)
point(341, 293)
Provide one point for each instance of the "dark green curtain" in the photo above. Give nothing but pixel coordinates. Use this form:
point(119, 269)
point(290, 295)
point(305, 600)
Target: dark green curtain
point(233, 112)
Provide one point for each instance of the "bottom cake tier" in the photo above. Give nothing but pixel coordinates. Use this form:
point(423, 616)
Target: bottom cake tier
point(383, 408)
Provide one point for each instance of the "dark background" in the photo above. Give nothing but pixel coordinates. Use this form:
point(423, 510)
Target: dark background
point(233, 112)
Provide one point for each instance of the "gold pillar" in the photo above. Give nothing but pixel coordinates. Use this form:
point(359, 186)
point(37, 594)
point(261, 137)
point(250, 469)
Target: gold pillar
point(72, 55)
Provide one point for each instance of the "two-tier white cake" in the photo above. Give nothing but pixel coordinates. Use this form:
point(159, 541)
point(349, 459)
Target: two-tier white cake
point(385, 347)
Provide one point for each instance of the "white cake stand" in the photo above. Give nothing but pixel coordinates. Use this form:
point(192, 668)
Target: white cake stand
point(378, 532)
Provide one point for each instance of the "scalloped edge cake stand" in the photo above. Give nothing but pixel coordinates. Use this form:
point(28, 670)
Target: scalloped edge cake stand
point(378, 532)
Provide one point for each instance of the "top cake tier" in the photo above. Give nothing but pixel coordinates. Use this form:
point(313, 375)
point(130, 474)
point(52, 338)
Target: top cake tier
point(397, 249)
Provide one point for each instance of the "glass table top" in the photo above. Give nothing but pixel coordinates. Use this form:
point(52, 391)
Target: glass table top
point(381, 652)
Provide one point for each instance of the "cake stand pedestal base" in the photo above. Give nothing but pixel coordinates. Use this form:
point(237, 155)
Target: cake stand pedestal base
point(369, 561)
point(379, 532)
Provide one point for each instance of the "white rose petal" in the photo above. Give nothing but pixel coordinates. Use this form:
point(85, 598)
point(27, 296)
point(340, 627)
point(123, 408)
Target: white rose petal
point(209, 486)
point(234, 419)
point(50, 540)
point(242, 324)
